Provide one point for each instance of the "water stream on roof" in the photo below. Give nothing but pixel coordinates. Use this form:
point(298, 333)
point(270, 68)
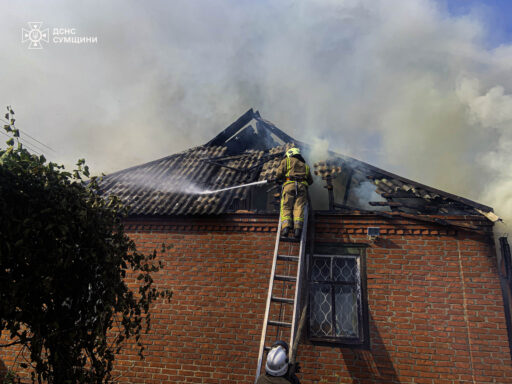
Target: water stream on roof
point(158, 185)
point(208, 192)
point(188, 188)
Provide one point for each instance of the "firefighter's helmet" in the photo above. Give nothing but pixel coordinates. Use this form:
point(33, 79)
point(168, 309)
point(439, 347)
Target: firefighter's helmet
point(292, 151)
point(281, 343)
point(277, 360)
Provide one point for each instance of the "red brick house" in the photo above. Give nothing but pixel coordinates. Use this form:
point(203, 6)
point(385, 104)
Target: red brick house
point(425, 298)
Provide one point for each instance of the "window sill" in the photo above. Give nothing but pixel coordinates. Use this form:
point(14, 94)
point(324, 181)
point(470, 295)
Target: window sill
point(342, 343)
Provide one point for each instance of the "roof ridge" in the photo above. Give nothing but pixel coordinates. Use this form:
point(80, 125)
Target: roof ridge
point(232, 128)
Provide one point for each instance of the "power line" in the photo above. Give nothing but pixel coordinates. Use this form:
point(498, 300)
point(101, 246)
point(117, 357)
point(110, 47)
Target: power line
point(37, 150)
point(33, 138)
point(25, 144)
point(32, 149)
point(47, 146)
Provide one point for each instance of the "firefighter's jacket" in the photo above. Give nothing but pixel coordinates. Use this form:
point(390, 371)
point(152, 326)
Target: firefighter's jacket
point(296, 178)
point(293, 169)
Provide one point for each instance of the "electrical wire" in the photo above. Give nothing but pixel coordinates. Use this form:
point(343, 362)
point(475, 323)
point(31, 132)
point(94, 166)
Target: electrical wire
point(25, 144)
point(31, 146)
point(31, 137)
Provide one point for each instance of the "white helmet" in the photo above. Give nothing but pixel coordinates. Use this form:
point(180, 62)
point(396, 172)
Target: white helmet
point(277, 361)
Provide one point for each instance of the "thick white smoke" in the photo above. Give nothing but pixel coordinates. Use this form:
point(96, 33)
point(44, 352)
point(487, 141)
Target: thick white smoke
point(491, 111)
point(401, 84)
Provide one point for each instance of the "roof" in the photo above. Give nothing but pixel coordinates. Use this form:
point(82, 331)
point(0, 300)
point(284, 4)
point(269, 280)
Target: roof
point(249, 150)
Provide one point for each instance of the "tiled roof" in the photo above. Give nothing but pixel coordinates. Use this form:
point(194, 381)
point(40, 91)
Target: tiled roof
point(249, 150)
point(394, 192)
point(169, 186)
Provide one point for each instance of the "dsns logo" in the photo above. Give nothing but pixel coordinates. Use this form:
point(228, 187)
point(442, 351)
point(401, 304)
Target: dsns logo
point(35, 35)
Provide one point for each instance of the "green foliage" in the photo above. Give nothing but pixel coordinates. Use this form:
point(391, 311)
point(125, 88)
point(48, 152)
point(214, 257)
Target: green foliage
point(63, 261)
point(11, 378)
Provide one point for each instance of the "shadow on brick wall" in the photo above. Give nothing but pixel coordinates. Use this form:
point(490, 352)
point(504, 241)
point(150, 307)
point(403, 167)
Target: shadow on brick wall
point(371, 366)
point(3, 371)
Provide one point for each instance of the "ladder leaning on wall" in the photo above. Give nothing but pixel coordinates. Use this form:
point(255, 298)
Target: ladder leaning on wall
point(282, 312)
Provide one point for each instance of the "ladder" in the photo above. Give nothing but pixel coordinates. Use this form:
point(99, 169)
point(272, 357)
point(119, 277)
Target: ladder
point(282, 310)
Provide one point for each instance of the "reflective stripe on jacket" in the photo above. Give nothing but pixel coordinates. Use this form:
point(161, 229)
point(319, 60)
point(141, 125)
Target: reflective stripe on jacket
point(293, 170)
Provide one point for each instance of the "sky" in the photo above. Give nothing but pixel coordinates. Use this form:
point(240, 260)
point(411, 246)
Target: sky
point(497, 14)
point(421, 88)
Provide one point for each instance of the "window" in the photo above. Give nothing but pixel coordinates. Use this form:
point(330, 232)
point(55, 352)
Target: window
point(337, 299)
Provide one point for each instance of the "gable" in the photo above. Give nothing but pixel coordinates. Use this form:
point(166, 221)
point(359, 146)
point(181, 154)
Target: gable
point(250, 150)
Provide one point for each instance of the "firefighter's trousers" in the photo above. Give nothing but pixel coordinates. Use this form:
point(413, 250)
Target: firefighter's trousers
point(293, 201)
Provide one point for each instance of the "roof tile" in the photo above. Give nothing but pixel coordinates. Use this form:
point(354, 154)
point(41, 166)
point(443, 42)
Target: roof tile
point(248, 150)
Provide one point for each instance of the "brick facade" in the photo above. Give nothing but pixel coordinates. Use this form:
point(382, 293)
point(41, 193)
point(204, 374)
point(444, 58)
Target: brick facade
point(435, 304)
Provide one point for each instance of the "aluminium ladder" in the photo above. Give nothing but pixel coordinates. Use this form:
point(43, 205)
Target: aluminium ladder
point(281, 312)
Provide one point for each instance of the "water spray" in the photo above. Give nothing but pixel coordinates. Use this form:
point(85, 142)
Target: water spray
point(208, 192)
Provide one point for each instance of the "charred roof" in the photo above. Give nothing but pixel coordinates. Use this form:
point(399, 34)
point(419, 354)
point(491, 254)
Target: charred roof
point(250, 150)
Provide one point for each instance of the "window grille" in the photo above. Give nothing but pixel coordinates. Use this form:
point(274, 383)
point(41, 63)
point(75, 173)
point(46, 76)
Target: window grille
point(336, 298)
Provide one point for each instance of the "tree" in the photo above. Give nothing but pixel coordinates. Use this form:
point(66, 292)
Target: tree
point(64, 259)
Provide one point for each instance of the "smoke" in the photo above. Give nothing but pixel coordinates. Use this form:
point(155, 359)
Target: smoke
point(491, 111)
point(319, 150)
point(402, 84)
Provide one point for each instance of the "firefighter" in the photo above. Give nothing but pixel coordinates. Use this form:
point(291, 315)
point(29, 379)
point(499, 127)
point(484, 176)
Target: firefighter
point(295, 173)
point(277, 368)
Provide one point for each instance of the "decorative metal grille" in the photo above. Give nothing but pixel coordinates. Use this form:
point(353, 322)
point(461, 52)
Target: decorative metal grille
point(321, 323)
point(345, 302)
point(335, 297)
point(344, 269)
point(321, 269)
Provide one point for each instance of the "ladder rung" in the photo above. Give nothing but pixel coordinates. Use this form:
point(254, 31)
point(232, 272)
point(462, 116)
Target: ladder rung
point(285, 278)
point(279, 323)
point(290, 320)
point(282, 300)
point(289, 240)
point(287, 258)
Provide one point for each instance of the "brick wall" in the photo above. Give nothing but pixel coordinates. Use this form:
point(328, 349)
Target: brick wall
point(435, 305)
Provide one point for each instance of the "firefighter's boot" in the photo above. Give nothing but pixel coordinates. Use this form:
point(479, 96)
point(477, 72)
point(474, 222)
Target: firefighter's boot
point(285, 232)
point(298, 232)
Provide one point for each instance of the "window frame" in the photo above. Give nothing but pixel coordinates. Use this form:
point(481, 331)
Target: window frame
point(340, 251)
